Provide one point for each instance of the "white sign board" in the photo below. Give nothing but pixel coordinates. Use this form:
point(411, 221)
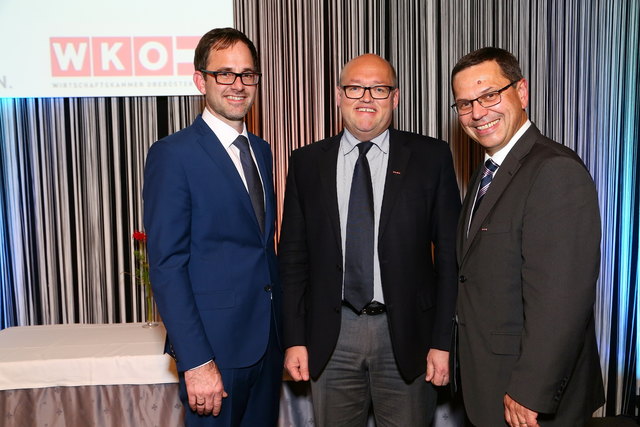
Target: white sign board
point(72, 48)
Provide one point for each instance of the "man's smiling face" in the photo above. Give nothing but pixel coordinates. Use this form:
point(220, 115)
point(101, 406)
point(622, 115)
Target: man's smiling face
point(229, 103)
point(366, 117)
point(491, 127)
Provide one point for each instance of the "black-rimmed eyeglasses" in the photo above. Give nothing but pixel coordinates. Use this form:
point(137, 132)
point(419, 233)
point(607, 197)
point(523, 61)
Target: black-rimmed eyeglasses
point(376, 92)
point(229, 77)
point(489, 99)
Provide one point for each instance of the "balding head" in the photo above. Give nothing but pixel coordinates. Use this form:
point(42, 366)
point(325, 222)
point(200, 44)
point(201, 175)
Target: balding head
point(367, 96)
point(370, 60)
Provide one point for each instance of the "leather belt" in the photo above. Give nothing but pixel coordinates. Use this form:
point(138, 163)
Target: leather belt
point(372, 309)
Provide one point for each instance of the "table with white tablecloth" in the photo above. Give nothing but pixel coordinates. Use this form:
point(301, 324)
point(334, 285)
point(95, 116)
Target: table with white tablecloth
point(114, 375)
point(89, 375)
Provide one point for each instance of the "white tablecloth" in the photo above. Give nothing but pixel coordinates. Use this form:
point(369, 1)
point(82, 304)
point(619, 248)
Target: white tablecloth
point(77, 355)
point(36, 360)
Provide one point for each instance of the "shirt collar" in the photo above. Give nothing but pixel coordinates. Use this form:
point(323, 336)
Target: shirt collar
point(350, 142)
point(499, 156)
point(225, 133)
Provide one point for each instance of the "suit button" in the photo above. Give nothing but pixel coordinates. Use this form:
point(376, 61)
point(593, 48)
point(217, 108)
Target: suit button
point(267, 288)
point(339, 267)
point(337, 309)
point(462, 279)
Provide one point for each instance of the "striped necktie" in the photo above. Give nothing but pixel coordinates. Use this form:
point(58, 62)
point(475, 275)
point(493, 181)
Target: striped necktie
point(490, 167)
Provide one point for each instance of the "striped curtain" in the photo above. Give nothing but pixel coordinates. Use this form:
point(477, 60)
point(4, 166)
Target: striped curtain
point(71, 168)
point(70, 201)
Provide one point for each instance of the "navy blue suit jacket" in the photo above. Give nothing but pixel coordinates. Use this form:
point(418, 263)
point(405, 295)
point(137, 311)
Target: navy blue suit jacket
point(214, 274)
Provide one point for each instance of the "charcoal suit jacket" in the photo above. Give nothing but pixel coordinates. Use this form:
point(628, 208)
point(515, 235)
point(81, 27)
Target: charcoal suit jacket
point(420, 207)
point(527, 282)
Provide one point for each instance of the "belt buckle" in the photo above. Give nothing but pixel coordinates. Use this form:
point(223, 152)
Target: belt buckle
point(374, 308)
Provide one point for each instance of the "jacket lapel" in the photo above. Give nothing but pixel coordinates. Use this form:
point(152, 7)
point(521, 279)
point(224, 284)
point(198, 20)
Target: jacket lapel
point(499, 184)
point(399, 156)
point(328, 163)
point(217, 153)
point(265, 173)
point(466, 213)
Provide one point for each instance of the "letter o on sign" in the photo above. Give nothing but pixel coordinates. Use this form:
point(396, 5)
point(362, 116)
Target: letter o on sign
point(153, 56)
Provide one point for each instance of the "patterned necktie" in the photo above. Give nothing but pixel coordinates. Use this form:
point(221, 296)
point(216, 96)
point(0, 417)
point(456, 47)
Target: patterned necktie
point(251, 175)
point(487, 175)
point(358, 273)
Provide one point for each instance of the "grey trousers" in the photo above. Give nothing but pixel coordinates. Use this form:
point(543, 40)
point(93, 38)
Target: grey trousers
point(362, 373)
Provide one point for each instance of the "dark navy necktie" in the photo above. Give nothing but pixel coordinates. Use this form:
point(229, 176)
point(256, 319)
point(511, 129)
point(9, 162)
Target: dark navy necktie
point(358, 273)
point(251, 175)
point(487, 175)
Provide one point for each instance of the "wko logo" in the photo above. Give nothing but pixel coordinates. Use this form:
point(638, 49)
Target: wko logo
point(121, 56)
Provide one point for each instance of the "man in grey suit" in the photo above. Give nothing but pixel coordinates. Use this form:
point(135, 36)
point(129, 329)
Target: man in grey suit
point(529, 255)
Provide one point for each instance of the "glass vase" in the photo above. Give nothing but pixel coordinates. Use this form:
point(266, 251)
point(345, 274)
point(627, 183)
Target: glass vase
point(150, 309)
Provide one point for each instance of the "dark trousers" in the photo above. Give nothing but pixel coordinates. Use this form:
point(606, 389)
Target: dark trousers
point(254, 393)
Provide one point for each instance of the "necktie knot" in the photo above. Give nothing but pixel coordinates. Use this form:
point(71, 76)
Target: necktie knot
point(364, 147)
point(242, 144)
point(491, 165)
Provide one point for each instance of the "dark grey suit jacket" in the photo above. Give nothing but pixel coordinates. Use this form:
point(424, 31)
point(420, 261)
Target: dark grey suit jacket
point(420, 207)
point(527, 283)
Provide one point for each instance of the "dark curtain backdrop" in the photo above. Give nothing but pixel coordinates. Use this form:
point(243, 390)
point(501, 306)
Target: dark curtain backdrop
point(71, 169)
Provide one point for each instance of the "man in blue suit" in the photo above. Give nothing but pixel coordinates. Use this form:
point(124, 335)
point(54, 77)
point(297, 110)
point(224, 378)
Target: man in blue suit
point(210, 217)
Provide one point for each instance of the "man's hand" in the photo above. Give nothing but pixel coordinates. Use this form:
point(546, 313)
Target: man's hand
point(517, 415)
point(205, 389)
point(437, 367)
point(296, 361)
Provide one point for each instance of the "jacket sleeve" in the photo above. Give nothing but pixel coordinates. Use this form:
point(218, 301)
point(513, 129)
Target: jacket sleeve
point(167, 220)
point(293, 259)
point(445, 220)
point(560, 264)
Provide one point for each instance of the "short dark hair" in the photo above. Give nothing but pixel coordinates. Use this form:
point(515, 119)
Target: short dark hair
point(222, 38)
point(507, 62)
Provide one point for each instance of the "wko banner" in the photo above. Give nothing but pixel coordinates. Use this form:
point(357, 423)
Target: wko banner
point(94, 51)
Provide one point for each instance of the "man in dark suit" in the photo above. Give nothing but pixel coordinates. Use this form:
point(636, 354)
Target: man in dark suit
point(367, 260)
point(529, 254)
point(209, 216)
